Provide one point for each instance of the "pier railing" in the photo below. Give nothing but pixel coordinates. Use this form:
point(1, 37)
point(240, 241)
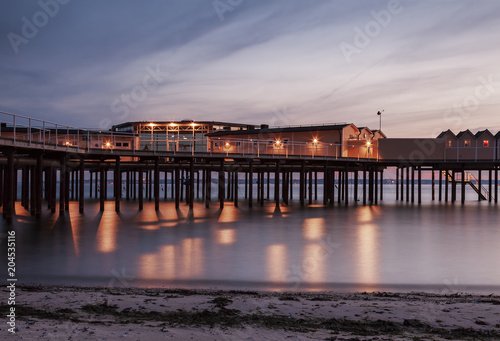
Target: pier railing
point(27, 131)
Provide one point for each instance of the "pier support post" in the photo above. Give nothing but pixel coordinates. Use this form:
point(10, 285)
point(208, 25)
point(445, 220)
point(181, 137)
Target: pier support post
point(157, 184)
point(375, 184)
point(102, 191)
point(191, 183)
point(331, 186)
point(356, 175)
point(381, 185)
point(177, 187)
point(346, 185)
point(52, 198)
point(197, 184)
point(262, 188)
point(32, 190)
point(276, 184)
point(302, 184)
point(479, 185)
point(235, 188)
point(268, 182)
point(81, 203)
point(370, 186)
point(127, 185)
point(250, 184)
point(310, 187)
point(496, 184)
point(453, 187)
point(489, 186)
point(339, 187)
point(140, 189)
point(25, 187)
point(325, 185)
point(364, 185)
point(118, 184)
point(246, 185)
point(462, 197)
point(8, 195)
point(419, 194)
point(433, 186)
point(91, 181)
point(440, 186)
point(407, 184)
point(397, 183)
point(62, 182)
point(446, 185)
point(222, 184)
point(412, 184)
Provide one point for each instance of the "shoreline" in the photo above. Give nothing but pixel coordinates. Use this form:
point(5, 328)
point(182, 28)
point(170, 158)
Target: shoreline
point(109, 313)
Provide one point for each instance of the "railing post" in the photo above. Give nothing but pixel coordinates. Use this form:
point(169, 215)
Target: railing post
point(14, 124)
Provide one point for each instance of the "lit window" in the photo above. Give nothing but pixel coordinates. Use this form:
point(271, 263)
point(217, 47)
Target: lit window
point(486, 143)
point(448, 143)
point(364, 135)
point(467, 143)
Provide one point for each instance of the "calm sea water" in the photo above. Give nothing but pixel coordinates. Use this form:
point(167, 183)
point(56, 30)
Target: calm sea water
point(394, 246)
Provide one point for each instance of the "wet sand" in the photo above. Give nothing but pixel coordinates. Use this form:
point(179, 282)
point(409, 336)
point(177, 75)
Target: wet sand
point(99, 313)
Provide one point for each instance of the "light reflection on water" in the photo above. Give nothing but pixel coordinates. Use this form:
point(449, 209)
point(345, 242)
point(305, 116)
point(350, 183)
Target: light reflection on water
point(354, 248)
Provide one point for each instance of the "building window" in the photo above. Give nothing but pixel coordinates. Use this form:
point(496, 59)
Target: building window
point(238, 144)
point(486, 143)
point(216, 144)
point(364, 135)
point(467, 143)
point(125, 144)
point(285, 141)
point(118, 144)
point(448, 143)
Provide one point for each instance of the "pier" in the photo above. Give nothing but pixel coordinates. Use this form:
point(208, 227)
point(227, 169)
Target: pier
point(57, 164)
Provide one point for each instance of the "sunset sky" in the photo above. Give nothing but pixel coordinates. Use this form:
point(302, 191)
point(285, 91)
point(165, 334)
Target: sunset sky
point(430, 65)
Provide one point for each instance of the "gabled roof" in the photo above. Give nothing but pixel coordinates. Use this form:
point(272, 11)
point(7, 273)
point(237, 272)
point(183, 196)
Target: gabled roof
point(444, 132)
point(482, 132)
point(497, 135)
point(463, 132)
point(380, 132)
point(282, 130)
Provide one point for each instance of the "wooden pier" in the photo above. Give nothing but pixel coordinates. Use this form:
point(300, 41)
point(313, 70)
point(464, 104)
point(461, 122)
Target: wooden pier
point(53, 174)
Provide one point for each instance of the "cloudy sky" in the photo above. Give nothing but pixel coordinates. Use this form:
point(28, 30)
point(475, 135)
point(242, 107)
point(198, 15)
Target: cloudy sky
point(430, 65)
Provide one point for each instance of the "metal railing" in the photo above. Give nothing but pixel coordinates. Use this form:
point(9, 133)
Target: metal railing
point(476, 153)
point(50, 135)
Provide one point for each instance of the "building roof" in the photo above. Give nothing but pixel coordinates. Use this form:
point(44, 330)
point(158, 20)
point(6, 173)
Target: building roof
point(131, 123)
point(463, 132)
point(481, 132)
point(380, 132)
point(281, 130)
point(444, 132)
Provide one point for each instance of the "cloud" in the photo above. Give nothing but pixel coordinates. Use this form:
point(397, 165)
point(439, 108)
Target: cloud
point(263, 57)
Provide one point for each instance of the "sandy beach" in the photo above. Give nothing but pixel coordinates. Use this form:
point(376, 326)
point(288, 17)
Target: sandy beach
point(87, 313)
